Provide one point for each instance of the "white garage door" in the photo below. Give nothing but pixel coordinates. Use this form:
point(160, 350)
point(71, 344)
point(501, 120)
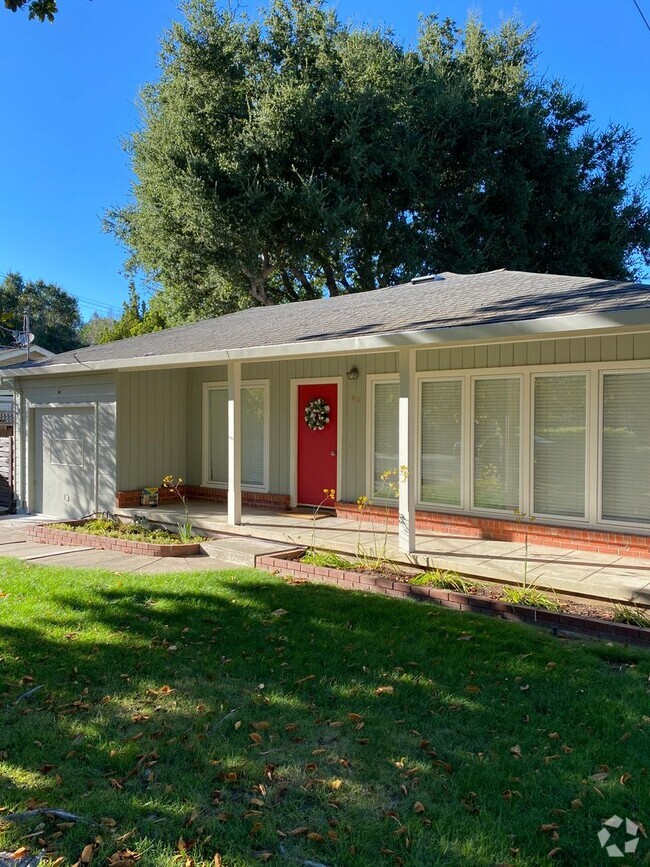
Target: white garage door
point(64, 464)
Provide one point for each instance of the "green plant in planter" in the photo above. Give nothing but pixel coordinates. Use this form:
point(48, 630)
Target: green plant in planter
point(445, 580)
point(185, 532)
point(633, 615)
point(529, 596)
point(374, 557)
point(327, 559)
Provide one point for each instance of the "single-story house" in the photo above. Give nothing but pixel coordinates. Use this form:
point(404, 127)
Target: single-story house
point(485, 397)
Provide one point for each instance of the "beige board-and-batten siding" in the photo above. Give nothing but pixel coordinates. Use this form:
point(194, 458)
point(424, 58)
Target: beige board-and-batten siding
point(526, 353)
point(280, 375)
point(152, 427)
point(160, 413)
point(94, 390)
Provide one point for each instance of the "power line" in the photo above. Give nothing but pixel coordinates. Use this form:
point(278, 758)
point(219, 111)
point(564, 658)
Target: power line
point(645, 20)
point(97, 306)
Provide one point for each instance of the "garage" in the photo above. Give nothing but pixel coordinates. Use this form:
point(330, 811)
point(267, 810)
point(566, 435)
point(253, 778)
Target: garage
point(65, 461)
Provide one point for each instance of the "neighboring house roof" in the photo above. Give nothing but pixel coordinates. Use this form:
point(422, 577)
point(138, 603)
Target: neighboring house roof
point(10, 355)
point(443, 303)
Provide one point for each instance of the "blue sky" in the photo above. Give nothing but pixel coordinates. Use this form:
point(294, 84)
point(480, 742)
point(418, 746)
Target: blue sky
point(68, 89)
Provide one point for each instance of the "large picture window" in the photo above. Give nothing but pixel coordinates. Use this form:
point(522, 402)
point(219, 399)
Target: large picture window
point(626, 447)
point(254, 447)
point(441, 426)
point(497, 414)
point(559, 445)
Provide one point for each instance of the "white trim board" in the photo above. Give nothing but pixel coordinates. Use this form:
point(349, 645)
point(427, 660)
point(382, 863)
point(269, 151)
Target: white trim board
point(207, 387)
point(560, 327)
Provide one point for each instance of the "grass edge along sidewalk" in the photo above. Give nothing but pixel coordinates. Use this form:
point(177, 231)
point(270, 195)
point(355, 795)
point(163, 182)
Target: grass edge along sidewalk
point(231, 713)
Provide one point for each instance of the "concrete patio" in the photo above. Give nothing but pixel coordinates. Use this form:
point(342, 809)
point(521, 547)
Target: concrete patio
point(580, 573)
point(611, 577)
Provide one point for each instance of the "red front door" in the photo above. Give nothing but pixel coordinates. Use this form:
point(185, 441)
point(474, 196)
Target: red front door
point(317, 448)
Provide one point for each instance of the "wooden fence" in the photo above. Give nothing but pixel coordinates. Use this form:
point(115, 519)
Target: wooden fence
point(6, 472)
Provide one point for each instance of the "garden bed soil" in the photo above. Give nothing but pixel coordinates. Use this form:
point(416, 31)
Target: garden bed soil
point(47, 534)
point(582, 616)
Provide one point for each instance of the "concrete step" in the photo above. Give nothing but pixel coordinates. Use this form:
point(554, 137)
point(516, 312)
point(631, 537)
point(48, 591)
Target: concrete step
point(240, 549)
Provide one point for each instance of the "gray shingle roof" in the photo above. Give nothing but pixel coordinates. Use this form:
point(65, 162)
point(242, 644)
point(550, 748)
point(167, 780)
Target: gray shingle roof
point(455, 300)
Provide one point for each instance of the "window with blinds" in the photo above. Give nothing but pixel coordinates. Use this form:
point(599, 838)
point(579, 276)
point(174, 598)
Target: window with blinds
point(385, 457)
point(253, 436)
point(626, 447)
point(441, 426)
point(496, 424)
point(559, 445)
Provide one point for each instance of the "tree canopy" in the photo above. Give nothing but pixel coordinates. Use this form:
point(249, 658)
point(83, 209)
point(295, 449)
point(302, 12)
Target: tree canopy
point(54, 315)
point(291, 156)
point(137, 318)
point(42, 10)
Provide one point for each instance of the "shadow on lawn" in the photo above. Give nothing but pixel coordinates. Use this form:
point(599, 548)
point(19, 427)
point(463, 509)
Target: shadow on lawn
point(353, 708)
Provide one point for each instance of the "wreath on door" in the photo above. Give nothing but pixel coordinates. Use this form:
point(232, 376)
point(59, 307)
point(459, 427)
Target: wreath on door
point(317, 414)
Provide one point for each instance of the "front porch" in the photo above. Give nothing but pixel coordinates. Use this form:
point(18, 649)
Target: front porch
point(583, 573)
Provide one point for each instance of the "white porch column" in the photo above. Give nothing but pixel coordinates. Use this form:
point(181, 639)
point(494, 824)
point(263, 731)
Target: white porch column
point(407, 417)
point(234, 442)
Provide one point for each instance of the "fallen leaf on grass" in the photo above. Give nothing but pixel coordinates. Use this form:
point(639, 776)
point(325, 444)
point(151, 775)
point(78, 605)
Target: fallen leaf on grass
point(279, 612)
point(625, 779)
point(554, 852)
point(315, 837)
point(516, 751)
point(419, 807)
point(385, 690)
point(598, 778)
point(263, 856)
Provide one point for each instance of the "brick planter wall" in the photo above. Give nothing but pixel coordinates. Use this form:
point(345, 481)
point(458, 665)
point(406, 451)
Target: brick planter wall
point(47, 535)
point(131, 499)
point(508, 530)
point(288, 564)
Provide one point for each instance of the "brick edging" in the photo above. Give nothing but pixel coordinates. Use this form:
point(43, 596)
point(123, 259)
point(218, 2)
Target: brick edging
point(509, 530)
point(287, 564)
point(46, 535)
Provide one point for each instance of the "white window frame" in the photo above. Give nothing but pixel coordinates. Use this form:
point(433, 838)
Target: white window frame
point(600, 381)
point(371, 381)
point(595, 371)
point(523, 417)
point(588, 444)
point(425, 504)
point(247, 383)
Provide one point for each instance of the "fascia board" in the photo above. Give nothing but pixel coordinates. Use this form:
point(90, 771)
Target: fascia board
point(565, 326)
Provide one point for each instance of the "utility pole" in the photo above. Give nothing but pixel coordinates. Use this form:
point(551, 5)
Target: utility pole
point(26, 330)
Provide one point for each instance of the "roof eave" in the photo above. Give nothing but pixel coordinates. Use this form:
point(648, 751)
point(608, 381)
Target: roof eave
point(564, 326)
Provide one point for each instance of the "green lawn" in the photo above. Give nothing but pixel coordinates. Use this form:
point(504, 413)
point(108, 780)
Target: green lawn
point(233, 713)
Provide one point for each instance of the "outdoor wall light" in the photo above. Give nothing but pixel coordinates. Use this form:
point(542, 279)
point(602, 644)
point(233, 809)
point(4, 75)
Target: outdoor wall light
point(353, 372)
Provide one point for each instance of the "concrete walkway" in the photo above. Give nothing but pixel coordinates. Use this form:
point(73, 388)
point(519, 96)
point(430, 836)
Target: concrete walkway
point(580, 573)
